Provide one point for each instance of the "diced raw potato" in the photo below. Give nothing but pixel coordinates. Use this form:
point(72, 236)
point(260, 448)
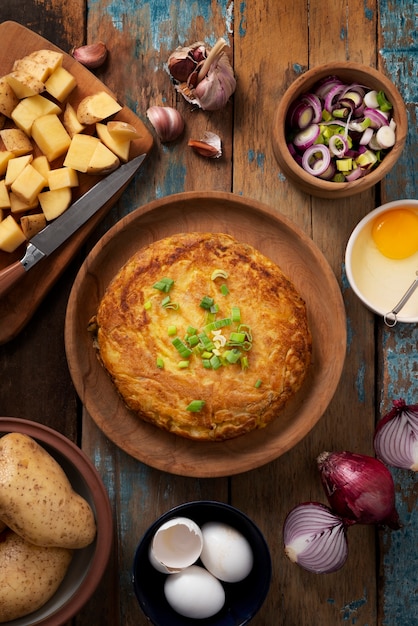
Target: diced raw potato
point(15, 166)
point(19, 207)
point(16, 141)
point(35, 67)
point(49, 58)
point(54, 203)
point(120, 147)
point(8, 98)
point(62, 177)
point(28, 184)
point(24, 85)
point(11, 235)
point(70, 120)
point(60, 84)
point(41, 164)
point(4, 195)
point(96, 108)
point(80, 152)
point(29, 109)
point(50, 136)
point(32, 224)
point(5, 157)
point(122, 130)
point(103, 160)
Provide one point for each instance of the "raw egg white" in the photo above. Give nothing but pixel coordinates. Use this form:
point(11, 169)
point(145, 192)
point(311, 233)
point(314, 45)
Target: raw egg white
point(226, 553)
point(395, 233)
point(194, 593)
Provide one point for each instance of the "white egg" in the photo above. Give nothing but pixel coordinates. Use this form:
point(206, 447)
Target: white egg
point(226, 553)
point(176, 545)
point(194, 593)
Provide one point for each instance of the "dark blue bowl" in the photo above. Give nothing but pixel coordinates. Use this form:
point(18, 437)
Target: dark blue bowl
point(243, 599)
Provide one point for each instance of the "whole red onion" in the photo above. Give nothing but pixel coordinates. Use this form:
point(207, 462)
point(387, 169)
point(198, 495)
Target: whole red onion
point(359, 488)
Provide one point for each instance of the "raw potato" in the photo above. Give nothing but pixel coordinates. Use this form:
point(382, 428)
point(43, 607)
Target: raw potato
point(29, 575)
point(32, 224)
point(8, 98)
point(37, 500)
point(16, 141)
point(24, 85)
point(96, 108)
point(11, 235)
point(54, 202)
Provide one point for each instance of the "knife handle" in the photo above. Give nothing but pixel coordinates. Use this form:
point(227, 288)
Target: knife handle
point(9, 276)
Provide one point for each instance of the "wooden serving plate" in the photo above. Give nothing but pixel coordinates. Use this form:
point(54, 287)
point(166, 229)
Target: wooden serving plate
point(18, 306)
point(276, 237)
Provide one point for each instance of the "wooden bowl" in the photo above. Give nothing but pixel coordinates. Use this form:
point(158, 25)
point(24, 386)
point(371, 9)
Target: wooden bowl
point(348, 73)
point(89, 564)
point(275, 236)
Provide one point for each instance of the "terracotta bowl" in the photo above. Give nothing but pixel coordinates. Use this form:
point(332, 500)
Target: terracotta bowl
point(348, 73)
point(242, 599)
point(378, 281)
point(89, 564)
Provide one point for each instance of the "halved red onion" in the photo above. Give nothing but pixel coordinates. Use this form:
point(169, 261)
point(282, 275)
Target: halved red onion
point(396, 436)
point(316, 159)
point(315, 538)
point(359, 488)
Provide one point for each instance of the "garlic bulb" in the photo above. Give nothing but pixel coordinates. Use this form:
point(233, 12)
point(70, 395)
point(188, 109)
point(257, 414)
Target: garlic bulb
point(204, 78)
point(167, 122)
point(209, 146)
point(92, 55)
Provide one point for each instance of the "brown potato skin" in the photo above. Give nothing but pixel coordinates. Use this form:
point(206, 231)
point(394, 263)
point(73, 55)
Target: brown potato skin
point(37, 500)
point(129, 338)
point(29, 575)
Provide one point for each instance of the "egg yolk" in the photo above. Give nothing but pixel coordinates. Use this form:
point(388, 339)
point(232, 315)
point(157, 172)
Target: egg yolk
point(395, 233)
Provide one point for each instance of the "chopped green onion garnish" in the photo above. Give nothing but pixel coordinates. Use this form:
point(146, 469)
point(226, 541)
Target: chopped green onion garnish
point(183, 364)
point(214, 308)
point(167, 304)
point(217, 324)
point(206, 364)
point(207, 302)
point(215, 362)
point(192, 340)
point(237, 338)
point(383, 102)
point(244, 328)
point(206, 355)
point(224, 289)
point(181, 348)
point(232, 356)
point(172, 330)
point(160, 362)
point(205, 341)
point(147, 305)
point(258, 383)
point(236, 314)
point(191, 330)
point(244, 362)
point(195, 406)
point(219, 274)
point(164, 284)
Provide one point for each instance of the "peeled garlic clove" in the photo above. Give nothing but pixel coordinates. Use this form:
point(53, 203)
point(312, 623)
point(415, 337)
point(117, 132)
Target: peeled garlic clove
point(167, 122)
point(209, 146)
point(92, 55)
point(177, 544)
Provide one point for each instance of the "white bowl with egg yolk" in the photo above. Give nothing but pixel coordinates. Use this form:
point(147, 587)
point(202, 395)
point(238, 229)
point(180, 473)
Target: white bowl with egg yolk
point(381, 260)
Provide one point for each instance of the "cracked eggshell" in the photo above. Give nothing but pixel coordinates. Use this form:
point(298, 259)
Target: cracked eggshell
point(177, 544)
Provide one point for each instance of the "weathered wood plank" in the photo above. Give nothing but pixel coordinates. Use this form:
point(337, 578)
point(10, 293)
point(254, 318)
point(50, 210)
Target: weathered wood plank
point(398, 377)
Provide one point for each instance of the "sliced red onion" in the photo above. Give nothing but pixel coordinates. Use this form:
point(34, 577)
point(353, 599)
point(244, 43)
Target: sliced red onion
point(396, 436)
point(315, 103)
point(359, 488)
point(333, 93)
point(315, 538)
point(300, 115)
point(377, 118)
point(306, 137)
point(314, 164)
point(366, 136)
point(325, 85)
point(359, 172)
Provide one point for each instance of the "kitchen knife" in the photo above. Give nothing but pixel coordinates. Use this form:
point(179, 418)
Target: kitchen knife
point(57, 232)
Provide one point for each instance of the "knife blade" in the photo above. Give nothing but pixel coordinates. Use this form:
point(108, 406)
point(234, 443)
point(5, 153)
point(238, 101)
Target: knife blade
point(57, 232)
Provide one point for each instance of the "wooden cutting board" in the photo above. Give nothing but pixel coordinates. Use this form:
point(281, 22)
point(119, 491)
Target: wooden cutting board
point(18, 306)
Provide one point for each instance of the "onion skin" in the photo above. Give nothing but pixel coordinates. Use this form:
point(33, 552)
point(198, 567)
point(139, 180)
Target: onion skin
point(359, 488)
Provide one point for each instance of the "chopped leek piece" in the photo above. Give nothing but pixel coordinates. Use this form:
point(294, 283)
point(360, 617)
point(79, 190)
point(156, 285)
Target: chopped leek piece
point(237, 338)
point(206, 364)
point(207, 302)
point(244, 328)
point(224, 289)
point(244, 362)
point(147, 305)
point(258, 383)
point(183, 364)
point(215, 362)
point(160, 362)
point(205, 341)
point(164, 284)
point(236, 314)
point(191, 330)
point(192, 340)
point(195, 406)
point(172, 330)
point(206, 355)
point(384, 104)
point(219, 274)
point(181, 348)
point(225, 321)
point(232, 356)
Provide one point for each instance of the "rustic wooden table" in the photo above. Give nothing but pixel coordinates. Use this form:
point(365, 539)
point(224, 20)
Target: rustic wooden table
point(272, 42)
